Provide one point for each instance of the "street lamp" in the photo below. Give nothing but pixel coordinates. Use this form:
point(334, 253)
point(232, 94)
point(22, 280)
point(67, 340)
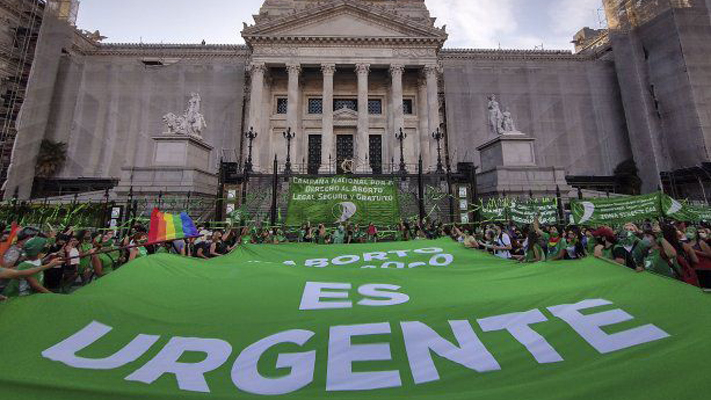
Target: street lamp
point(438, 136)
point(251, 135)
point(288, 135)
point(401, 136)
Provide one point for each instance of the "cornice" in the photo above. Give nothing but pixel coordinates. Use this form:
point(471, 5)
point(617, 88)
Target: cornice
point(344, 40)
point(167, 50)
point(493, 54)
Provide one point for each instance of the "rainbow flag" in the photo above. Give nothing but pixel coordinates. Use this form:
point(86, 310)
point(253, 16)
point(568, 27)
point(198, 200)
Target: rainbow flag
point(5, 246)
point(165, 227)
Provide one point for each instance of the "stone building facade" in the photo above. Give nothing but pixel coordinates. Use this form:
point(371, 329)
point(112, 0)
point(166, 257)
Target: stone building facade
point(346, 76)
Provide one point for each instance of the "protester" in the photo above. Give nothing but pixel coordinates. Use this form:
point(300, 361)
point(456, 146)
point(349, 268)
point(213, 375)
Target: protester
point(33, 283)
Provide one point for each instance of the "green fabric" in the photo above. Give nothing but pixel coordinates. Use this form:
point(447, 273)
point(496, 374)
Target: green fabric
point(530, 256)
point(520, 212)
point(554, 251)
point(340, 199)
point(619, 210)
point(20, 287)
point(655, 263)
point(255, 292)
point(85, 262)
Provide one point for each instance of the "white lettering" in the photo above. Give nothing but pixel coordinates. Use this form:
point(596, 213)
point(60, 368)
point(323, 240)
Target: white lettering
point(420, 340)
point(315, 291)
point(588, 326)
point(246, 376)
point(388, 292)
point(190, 376)
point(65, 351)
point(342, 354)
point(518, 326)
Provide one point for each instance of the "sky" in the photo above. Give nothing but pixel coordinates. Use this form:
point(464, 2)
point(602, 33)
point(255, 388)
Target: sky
point(508, 24)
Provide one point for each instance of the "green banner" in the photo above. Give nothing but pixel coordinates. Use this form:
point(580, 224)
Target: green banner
point(682, 211)
point(613, 211)
point(339, 199)
point(520, 212)
point(403, 321)
point(494, 210)
point(524, 212)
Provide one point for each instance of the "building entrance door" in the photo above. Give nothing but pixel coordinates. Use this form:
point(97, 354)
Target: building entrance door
point(344, 151)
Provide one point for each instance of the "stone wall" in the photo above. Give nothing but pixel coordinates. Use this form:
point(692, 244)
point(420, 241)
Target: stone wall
point(108, 107)
point(571, 105)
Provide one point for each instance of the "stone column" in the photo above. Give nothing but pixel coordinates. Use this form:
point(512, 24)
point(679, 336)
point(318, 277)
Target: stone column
point(361, 142)
point(433, 112)
point(292, 113)
point(256, 111)
point(327, 139)
point(423, 117)
point(397, 115)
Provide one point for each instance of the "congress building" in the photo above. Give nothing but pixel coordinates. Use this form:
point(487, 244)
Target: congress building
point(370, 88)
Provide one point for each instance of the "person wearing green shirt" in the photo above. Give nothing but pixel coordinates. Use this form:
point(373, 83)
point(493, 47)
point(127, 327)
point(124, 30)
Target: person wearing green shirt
point(555, 244)
point(606, 240)
point(31, 270)
point(661, 257)
point(86, 251)
point(534, 251)
point(339, 235)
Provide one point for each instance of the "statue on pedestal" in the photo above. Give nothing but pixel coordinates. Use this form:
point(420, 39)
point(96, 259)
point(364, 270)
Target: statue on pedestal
point(496, 117)
point(508, 124)
point(500, 123)
point(191, 123)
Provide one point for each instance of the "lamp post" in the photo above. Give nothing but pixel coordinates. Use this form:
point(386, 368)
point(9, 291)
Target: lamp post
point(251, 135)
point(401, 136)
point(288, 135)
point(438, 136)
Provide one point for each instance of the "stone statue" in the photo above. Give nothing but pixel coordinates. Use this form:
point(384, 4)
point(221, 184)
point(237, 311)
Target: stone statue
point(496, 117)
point(191, 123)
point(508, 124)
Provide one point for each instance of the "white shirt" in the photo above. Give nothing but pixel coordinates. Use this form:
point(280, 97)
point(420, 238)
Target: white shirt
point(74, 253)
point(503, 241)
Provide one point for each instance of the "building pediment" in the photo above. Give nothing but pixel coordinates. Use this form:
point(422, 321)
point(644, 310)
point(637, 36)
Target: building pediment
point(343, 20)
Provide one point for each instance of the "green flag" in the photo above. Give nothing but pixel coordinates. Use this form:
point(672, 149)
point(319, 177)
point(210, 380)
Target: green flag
point(682, 211)
point(339, 199)
point(613, 211)
point(525, 212)
point(416, 320)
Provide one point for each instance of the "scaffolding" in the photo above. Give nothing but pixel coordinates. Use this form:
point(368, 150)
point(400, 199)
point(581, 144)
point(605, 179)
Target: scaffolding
point(19, 57)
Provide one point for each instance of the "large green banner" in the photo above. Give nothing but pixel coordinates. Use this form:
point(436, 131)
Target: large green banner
point(399, 321)
point(683, 211)
point(520, 212)
point(340, 199)
point(619, 210)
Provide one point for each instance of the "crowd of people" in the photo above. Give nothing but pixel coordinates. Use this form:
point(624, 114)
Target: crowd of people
point(47, 262)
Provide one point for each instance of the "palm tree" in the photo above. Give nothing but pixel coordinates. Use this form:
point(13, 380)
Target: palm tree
point(51, 158)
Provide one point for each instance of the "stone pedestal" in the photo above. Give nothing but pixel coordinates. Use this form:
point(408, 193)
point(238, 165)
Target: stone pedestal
point(508, 165)
point(181, 164)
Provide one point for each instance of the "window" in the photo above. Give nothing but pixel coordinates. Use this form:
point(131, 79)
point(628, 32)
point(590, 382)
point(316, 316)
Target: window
point(350, 104)
point(376, 154)
point(282, 105)
point(375, 107)
point(407, 107)
point(314, 154)
point(315, 106)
